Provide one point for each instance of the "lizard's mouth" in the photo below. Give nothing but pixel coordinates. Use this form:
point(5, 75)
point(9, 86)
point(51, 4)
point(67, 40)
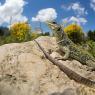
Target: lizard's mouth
point(52, 25)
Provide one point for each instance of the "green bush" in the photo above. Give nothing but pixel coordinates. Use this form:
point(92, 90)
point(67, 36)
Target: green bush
point(34, 35)
point(46, 34)
point(75, 33)
point(91, 35)
point(20, 31)
point(4, 31)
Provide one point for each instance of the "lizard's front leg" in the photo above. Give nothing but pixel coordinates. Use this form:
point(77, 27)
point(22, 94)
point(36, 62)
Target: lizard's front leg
point(66, 51)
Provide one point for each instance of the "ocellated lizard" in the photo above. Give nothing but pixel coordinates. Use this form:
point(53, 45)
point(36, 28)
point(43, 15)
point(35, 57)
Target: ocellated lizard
point(69, 48)
point(71, 74)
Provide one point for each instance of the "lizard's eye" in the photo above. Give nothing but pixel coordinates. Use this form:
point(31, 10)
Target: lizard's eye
point(54, 22)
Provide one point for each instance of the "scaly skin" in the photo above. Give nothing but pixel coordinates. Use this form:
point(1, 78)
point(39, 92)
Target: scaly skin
point(69, 48)
point(71, 74)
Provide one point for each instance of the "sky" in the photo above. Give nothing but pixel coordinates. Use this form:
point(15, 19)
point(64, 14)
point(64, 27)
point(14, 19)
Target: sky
point(65, 12)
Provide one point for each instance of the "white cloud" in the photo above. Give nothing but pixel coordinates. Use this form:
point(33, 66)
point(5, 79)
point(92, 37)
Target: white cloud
point(66, 7)
point(12, 9)
point(77, 20)
point(73, 19)
point(77, 8)
point(47, 14)
point(82, 20)
point(65, 20)
point(92, 4)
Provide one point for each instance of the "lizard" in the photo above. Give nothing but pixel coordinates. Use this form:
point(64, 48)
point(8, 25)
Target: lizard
point(70, 49)
point(70, 73)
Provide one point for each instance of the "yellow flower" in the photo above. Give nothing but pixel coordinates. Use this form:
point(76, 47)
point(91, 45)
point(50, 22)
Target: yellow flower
point(19, 30)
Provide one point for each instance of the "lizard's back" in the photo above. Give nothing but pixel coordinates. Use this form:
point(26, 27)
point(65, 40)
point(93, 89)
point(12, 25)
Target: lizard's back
point(76, 52)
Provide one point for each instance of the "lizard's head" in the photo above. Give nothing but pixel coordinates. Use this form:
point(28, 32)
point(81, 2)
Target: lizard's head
point(57, 30)
point(53, 25)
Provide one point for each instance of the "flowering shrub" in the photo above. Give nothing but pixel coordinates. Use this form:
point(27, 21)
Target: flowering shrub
point(20, 31)
point(74, 32)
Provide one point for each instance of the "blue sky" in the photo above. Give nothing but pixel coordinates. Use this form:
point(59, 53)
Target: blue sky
point(68, 10)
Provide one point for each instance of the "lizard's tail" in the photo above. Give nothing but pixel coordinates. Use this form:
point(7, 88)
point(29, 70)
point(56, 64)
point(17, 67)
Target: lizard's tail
point(71, 74)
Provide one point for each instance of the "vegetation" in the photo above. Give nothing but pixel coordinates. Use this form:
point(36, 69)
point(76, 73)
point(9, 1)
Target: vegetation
point(75, 33)
point(20, 31)
point(4, 31)
point(91, 35)
point(34, 35)
point(91, 47)
point(46, 34)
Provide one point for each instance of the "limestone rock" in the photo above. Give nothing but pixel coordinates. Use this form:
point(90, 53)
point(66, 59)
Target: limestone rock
point(24, 71)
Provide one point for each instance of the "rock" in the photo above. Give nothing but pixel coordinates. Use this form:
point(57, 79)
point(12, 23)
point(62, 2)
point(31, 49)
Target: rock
point(23, 71)
point(68, 91)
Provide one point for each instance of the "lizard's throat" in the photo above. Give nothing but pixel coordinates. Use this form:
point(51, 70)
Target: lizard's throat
point(59, 35)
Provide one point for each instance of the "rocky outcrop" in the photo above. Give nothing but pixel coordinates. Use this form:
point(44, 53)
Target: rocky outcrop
point(25, 71)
